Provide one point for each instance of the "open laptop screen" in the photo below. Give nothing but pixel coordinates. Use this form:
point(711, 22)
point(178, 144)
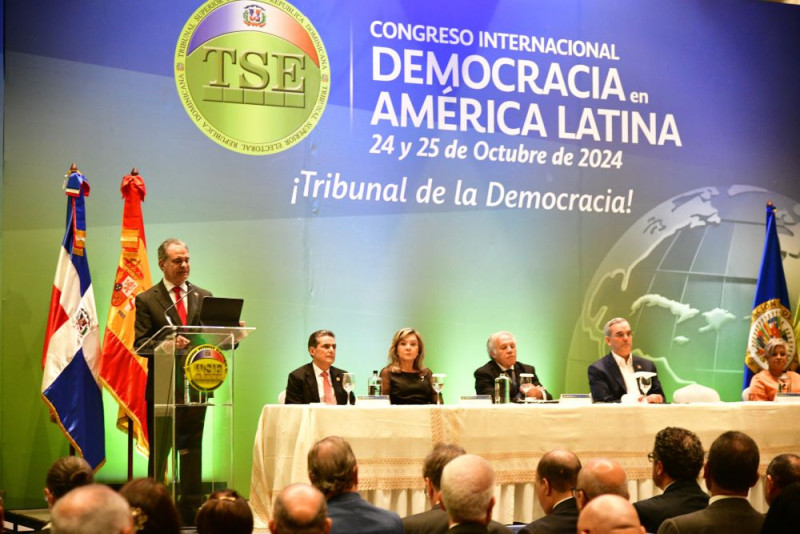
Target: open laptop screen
point(219, 311)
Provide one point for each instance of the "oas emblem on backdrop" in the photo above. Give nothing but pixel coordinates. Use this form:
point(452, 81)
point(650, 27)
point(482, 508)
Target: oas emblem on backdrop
point(252, 75)
point(206, 368)
point(770, 319)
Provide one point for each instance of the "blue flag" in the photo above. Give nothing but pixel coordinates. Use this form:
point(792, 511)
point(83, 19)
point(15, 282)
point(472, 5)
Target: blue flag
point(772, 316)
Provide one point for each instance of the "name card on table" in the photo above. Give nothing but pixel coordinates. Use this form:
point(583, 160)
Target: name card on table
point(476, 400)
point(575, 398)
point(375, 401)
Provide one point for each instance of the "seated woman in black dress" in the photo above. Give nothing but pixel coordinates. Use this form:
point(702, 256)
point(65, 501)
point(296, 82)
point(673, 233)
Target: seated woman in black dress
point(405, 379)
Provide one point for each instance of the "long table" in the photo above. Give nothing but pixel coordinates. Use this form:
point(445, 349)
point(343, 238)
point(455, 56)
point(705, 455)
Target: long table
point(390, 444)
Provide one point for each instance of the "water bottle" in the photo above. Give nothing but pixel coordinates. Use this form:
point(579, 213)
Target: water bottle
point(502, 389)
point(187, 398)
point(374, 385)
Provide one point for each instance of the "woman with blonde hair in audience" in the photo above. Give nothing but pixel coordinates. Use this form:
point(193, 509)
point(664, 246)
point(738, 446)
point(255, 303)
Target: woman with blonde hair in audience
point(406, 380)
point(776, 377)
point(225, 512)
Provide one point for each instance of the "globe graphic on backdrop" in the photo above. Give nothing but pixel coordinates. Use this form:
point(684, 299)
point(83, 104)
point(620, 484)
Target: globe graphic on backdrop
point(684, 275)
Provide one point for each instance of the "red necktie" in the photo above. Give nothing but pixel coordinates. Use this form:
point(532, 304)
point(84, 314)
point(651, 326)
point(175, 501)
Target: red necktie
point(326, 386)
point(179, 304)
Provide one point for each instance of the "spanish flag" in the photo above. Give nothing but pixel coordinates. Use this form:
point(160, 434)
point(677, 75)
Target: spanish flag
point(123, 372)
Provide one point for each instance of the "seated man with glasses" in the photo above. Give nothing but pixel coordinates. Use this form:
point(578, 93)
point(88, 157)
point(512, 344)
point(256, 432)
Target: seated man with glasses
point(677, 458)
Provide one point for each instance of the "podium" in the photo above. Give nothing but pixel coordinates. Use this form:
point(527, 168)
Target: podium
point(190, 410)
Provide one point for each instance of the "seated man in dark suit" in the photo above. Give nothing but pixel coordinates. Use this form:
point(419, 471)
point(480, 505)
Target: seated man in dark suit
point(556, 475)
point(318, 381)
point(468, 494)
point(502, 349)
point(612, 376)
point(332, 469)
point(783, 470)
point(434, 521)
point(677, 460)
point(730, 471)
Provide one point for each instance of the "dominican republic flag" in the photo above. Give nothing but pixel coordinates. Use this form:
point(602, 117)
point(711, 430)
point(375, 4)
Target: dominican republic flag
point(123, 372)
point(71, 358)
point(772, 316)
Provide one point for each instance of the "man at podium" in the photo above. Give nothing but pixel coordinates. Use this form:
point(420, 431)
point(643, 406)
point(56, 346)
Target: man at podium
point(173, 302)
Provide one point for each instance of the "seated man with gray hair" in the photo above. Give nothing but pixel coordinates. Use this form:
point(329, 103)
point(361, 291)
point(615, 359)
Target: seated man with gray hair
point(468, 494)
point(92, 509)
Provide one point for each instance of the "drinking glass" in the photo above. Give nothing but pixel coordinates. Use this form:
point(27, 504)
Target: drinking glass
point(525, 385)
point(348, 384)
point(437, 381)
point(645, 379)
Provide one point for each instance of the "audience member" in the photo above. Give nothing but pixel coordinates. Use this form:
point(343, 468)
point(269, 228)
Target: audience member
point(502, 349)
point(64, 475)
point(556, 475)
point(333, 470)
point(300, 509)
point(782, 471)
point(435, 521)
point(730, 471)
point(612, 376)
point(468, 494)
point(406, 380)
point(782, 514)
point(318, 381)
point(776, 377)
point(225, 512)
point(152, 507)
point(599, 477)
point(92, 509)
point(677, 460)
point(609, 514)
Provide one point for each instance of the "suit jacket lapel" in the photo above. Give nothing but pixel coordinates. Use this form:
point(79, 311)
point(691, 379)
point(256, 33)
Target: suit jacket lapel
point(193, 305)
point(613, 370)
point(311, 382)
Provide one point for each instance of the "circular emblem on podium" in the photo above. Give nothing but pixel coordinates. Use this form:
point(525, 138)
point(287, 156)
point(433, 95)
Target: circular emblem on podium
point(770, 319)
point(206, 368)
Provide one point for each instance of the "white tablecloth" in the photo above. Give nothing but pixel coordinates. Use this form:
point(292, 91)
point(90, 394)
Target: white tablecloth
point(390, 444)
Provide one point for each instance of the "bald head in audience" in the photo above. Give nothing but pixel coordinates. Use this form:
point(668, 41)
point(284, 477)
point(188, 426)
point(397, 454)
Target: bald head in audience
point(599, 477)
point(607, 514)
point(92, 509)
point(783, 470)
point(468, 490)
point(300, 508)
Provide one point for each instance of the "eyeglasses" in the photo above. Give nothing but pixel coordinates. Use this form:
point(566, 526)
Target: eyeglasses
point(575, 492)
point(651, 457)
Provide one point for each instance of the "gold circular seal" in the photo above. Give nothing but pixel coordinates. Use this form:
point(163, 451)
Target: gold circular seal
point(206, 368)
point(770, 319)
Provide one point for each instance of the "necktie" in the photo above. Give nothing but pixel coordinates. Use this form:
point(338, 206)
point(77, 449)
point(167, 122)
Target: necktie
point(179, 306)
point(326, 386)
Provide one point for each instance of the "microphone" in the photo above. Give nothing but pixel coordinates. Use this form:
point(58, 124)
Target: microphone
point(166, 312)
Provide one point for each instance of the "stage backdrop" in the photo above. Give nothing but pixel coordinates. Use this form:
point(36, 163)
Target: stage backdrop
point(458, 167)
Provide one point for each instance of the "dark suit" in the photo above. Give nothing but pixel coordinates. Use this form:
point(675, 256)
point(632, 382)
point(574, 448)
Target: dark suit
point(721, 517)
point(681, 497)
point(607, 384)
point(353, 515)
point(486, 375)
point(562, 520)
point(301, 387)
point(152, 308)
point(434, 521)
